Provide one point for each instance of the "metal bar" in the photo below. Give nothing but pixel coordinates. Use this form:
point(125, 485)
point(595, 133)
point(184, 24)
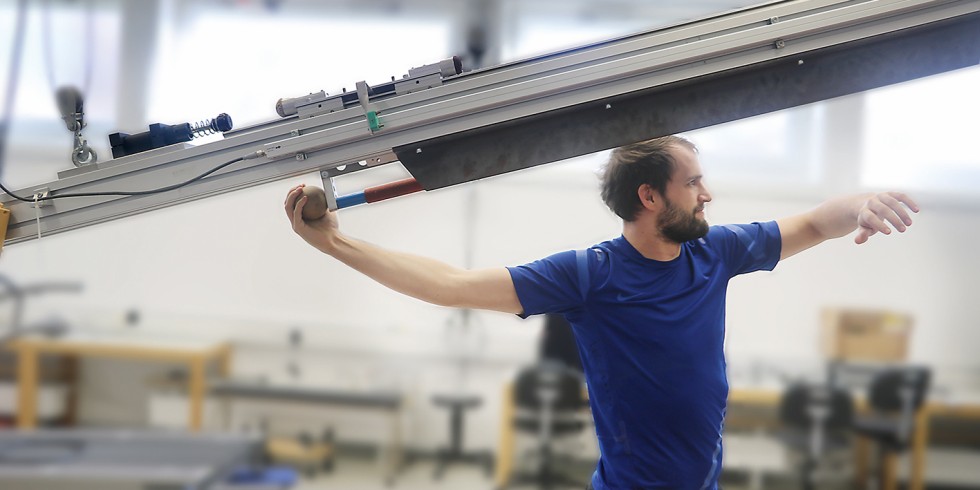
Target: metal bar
point(715, 99)
point(698, 55)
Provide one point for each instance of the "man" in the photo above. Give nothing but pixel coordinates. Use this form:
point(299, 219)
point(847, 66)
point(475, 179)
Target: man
point(647, 308)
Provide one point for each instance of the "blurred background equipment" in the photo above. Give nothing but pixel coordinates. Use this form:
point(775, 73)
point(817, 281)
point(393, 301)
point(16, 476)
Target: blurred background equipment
point(122, 459)
point(465, 339)
point(308, 452)
point(18, 294)
point(558, 342)
point(895, 420)
point(70, 103)
point(817, 422)
point(550, 407)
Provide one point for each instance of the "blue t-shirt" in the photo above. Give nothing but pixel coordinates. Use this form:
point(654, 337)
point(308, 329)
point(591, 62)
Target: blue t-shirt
point(651, 338)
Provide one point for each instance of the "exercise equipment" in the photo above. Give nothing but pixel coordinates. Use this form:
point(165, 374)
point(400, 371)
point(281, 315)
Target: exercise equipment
point(447, 127)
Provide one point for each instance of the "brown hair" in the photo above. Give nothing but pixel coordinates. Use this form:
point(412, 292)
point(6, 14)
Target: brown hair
point(647, 162)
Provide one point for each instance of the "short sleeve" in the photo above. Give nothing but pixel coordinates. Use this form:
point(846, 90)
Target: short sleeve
point(748, 247)
point(548, 285)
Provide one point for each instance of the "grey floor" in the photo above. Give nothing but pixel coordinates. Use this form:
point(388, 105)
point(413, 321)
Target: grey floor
point(363, 474)
point(945, 470)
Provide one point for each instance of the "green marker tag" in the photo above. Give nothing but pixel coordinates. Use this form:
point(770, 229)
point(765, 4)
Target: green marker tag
point(374, 121)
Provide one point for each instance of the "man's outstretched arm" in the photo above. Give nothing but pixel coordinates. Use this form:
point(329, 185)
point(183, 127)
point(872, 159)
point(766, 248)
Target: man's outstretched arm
point(429, 280)
point(868, 213)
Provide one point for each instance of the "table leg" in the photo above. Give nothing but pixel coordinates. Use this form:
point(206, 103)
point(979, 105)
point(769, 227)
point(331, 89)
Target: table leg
point(889, 471)
point(920, 442)
point(224, 370)
point(862, 448)
point(195, 394)
point(71, 363)
point(505, 453)
point(27, 379)
point(224, 361)
point(394, 460)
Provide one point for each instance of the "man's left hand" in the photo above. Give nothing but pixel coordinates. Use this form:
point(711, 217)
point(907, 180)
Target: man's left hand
point(883, 209)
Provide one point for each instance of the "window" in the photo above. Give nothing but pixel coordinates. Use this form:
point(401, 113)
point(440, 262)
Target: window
point(922, 134)
point(66, 38)
point(772, 148)
point(779, 147)
point(243, 61)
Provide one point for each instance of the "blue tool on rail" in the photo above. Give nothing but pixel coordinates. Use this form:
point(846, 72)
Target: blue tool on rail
point(161, 135)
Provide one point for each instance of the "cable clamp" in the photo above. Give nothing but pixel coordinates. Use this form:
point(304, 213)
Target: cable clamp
point(41, 197)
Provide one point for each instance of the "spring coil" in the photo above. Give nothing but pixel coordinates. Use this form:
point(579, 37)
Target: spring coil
point(204, 128)
point(207, 127)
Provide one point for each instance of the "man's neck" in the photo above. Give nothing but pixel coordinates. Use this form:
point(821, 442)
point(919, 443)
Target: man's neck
point(647, 240)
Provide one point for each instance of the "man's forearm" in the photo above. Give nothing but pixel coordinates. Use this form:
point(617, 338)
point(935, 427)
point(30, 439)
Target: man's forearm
point(420, 277)
point(427, 279)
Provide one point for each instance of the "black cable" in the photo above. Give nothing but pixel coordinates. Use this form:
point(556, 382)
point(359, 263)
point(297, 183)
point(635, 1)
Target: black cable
point(127, 193)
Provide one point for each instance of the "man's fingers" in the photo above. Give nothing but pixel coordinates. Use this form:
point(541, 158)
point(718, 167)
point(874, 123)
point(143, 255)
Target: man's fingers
point(290, 203)
point(884, 209)
point(885, 212)
point(898, 208)
point(904, 199)
point(297, 215)
point(292, 191)
point(871, 220)
point(863, 235)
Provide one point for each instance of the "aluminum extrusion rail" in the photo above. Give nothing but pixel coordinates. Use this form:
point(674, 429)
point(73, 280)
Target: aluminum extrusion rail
point(616, 91)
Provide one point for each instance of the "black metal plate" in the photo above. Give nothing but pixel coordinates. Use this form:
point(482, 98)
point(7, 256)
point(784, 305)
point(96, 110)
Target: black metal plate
point(706, 101)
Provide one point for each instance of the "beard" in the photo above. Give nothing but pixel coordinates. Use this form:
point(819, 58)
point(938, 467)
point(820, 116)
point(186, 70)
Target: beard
point(681, 226)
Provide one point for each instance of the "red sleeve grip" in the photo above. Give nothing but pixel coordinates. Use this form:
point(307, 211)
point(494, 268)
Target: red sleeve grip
point(393, 189)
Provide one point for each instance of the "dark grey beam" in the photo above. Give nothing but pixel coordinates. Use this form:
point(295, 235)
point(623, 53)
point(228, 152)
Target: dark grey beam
point(728, 96)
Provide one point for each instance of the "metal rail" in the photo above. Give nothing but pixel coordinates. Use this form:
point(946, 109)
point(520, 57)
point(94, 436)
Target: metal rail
point(569, 103)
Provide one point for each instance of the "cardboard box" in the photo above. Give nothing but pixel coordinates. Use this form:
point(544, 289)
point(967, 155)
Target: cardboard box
point(865, 335)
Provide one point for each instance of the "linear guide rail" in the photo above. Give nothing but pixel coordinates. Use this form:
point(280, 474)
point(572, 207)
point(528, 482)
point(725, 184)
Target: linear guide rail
point(463, 127)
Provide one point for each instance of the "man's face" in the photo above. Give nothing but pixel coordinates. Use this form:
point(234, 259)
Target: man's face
point(682, 218)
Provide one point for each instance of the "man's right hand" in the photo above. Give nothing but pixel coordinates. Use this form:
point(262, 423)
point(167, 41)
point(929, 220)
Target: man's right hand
point(321, 232)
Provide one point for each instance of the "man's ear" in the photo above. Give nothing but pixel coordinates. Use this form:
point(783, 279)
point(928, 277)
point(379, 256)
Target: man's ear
point(649, 197)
